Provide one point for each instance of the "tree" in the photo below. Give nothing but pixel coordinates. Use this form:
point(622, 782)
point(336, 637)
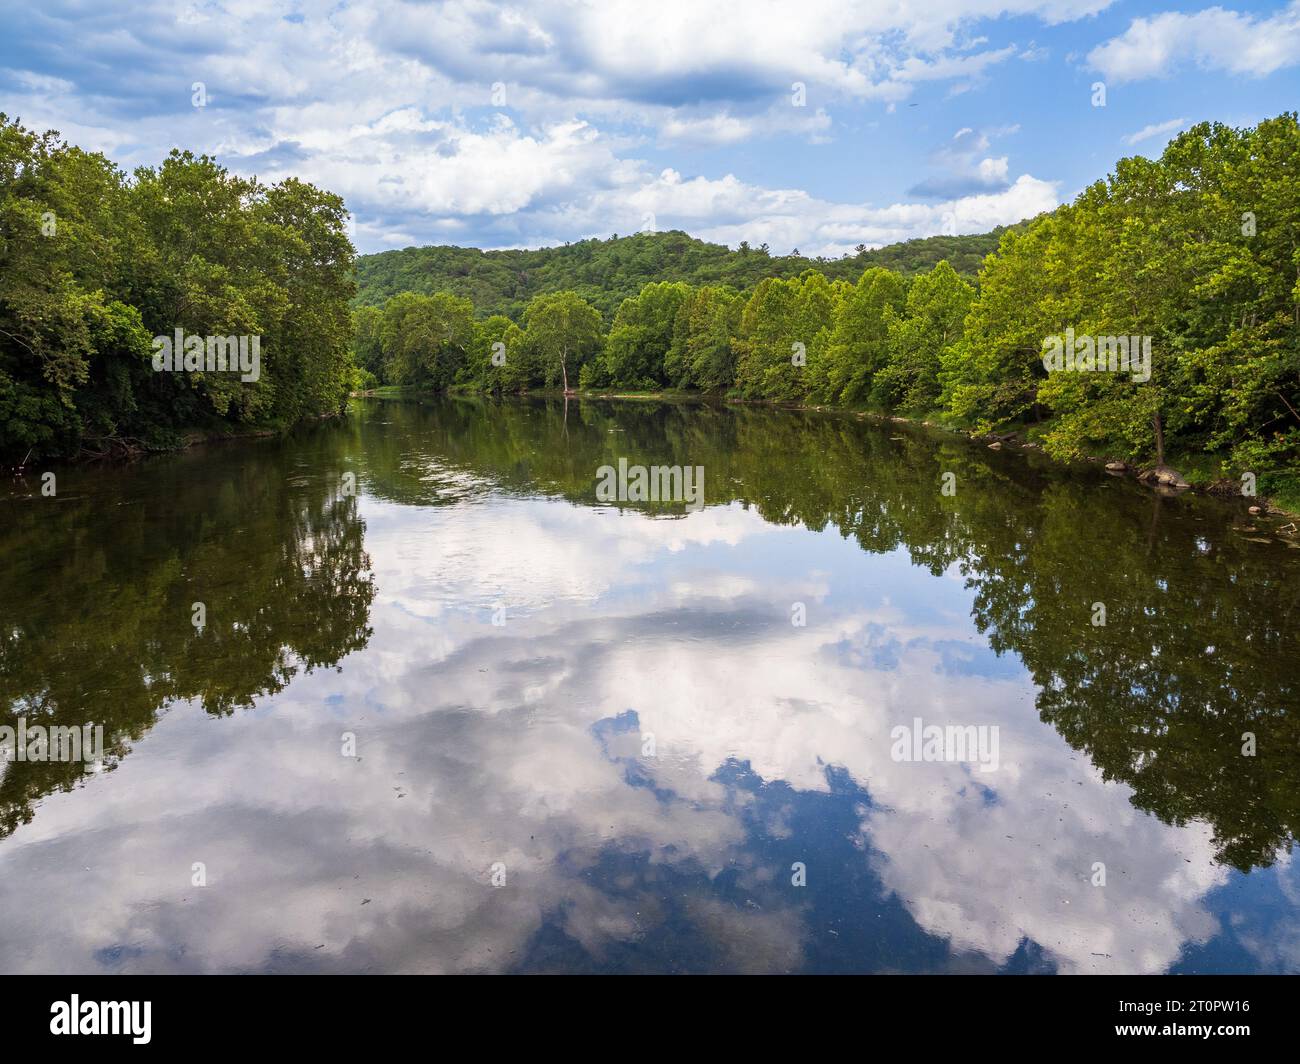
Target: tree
point(993, 374)
point(858, 347)
point(54, 262)
point(93, 267)
point(563, 329)
point(305, 249)
point(703, 354)
point(778, 327)
point(487, 365)
point(642, 334)
point(763, 343)
point(426, 339)
point(920, 337)
point(367, 344)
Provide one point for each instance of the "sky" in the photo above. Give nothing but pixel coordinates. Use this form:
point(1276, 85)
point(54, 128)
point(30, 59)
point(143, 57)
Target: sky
point(817, 125)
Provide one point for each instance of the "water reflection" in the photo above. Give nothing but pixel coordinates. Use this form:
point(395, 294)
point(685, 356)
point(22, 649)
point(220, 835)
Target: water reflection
point(99, 584)
point(522, 746)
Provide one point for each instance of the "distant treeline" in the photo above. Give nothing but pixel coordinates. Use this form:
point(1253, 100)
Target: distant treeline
point(605, 272)
point(1196, 254)
point(94, 265)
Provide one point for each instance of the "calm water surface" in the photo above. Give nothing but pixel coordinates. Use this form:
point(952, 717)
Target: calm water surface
point(629, 768)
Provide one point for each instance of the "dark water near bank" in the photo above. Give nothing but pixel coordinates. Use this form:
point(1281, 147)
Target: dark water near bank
point(645, 749)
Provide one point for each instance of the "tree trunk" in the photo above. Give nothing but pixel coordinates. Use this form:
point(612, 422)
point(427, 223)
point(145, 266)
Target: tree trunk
point(1158, 424)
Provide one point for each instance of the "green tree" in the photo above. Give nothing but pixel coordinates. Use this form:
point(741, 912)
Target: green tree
point(426, 339)
point(920, 338)
point(778, 326)
point(564, 331)
point(703, 355)
point(858, 347)
point(487, 364)
point(367, 342)
point(993, 374)
point(642, 334)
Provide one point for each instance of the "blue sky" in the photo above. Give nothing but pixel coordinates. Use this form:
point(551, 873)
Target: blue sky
point(529, 124)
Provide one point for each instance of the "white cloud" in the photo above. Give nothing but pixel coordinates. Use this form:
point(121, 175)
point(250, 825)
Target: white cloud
point(567, 182)
point(993, 170)
point(689, 51)
point(916, 69)
point(684, 127)
point(965, 168)
point(1217, 39)
point(1155, 130)
point(390, 105)
point(787, 218)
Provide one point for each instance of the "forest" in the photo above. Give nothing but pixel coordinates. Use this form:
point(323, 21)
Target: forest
point(1195, 254)
point(605, 272)
point(95, 264)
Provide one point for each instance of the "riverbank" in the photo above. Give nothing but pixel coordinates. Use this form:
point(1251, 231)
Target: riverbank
point(130, 448)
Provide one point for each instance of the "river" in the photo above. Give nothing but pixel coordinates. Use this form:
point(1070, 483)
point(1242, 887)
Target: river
point(402, 692)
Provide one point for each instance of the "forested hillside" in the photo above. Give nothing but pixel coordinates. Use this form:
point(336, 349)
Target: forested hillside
point(1166, 299)
point(605, 272)
point(95, 265)
point(1188, 264)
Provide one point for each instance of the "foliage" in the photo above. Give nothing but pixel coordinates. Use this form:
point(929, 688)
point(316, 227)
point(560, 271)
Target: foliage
point(606, 272)
point(563, 332)
point(94, 265)
point(426, 339)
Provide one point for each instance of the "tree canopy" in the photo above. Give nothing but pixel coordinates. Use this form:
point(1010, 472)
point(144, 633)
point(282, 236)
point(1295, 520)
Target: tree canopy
point(94, 264)
point(606, 272)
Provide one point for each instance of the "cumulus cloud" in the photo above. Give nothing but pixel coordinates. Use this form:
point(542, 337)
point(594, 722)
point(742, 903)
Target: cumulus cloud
point(967, 168)
point(691, 52)
point(523, 123)
point(728, 211)
point(1216, 39)
point(725, 127)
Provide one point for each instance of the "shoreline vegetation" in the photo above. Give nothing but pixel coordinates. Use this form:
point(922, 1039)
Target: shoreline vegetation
point(1152, 324)
point(100, 269)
